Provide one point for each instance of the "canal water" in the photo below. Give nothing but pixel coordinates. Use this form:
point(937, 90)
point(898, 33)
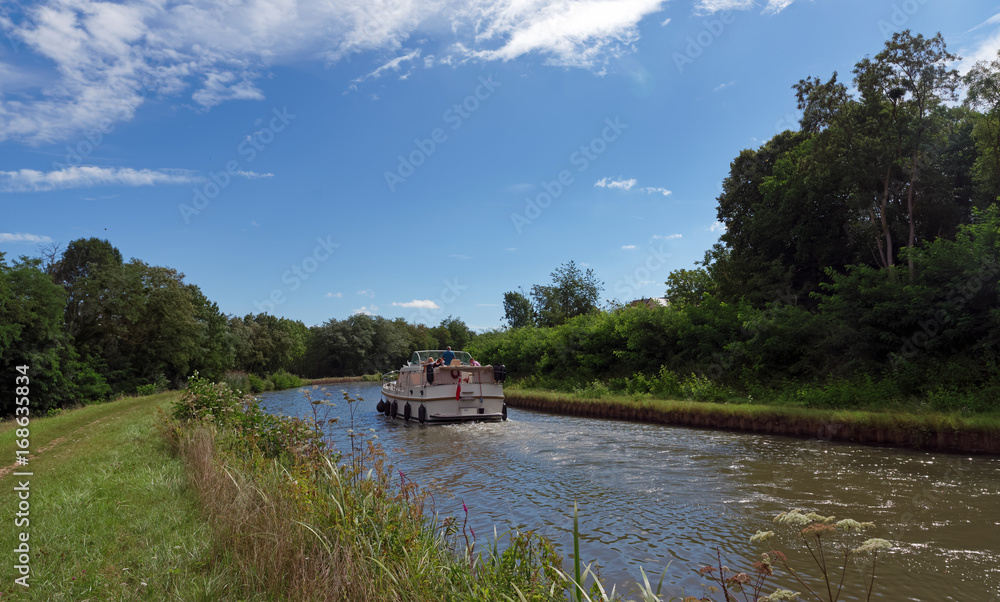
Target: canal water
point(667, 498)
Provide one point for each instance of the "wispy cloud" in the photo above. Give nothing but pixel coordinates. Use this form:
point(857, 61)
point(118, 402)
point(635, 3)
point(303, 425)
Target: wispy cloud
point(366, 292)
point(985, 47)
point(628, 184)
point(656, 190)
point(609, 183)
point(334, 295)
point(23, 237)
point(252, 175)
point(104, 59)
point(667, 237)
point(418, 304)
point(717, 226)
point(723, 86)
point(30, 180)
point(772, 7)
point(366, 310)
point(628, 247)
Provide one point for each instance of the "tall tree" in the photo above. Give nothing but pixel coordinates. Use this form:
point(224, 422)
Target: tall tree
point(517, 310)
point(983, 83)
point(915, 71)
point(572, 293)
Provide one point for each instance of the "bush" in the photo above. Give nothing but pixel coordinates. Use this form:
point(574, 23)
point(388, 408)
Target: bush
point(258, 384)
point(283, 380)
point(143, 390)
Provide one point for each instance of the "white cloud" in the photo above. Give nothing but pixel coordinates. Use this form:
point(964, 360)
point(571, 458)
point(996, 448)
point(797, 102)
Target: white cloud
point(334, 295)
point(723, 86)
point(985, 48)
point(667, 237)
point(776, 6)
point(628, 247)
point(100, 60)
point(656, 190)
point(572, 33)
point(418, 304)
point(365, 292)
point(713, 6)
point(717, 226)
point(20, 237)
point(30, 180)
point(665, 22)
point(609, 183)
point(366, 310)
point(252, 175)
point(773, 7)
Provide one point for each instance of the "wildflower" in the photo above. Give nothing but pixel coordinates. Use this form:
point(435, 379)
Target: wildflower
point(872, 545)
point(818, 530)
point(850, 525)
point(795, 518)
point(761, 536)
point(781, 594)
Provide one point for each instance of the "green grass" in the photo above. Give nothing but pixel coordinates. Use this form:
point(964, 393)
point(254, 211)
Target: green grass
point(111, 515)
point(953, 431)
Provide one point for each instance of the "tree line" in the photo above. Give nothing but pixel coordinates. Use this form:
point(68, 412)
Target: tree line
point(92, 326)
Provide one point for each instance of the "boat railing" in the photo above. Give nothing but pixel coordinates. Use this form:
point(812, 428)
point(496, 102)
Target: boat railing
point(388, 377)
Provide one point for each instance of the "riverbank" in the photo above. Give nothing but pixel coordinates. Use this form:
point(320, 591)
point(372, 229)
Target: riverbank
point(977, 433)
point(109, 514)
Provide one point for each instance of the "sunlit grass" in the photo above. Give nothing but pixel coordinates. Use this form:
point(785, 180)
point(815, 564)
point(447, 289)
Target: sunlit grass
point(111, 516)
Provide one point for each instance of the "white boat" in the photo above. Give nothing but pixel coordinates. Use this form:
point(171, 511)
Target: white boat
point(455, 392)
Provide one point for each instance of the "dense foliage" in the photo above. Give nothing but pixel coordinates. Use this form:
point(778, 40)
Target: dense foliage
point(859, 263)
point(91, 326)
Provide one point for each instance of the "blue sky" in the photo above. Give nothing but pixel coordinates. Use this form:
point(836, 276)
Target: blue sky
point(415, 160)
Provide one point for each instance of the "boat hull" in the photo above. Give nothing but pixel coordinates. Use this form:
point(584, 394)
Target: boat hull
point(440, 404)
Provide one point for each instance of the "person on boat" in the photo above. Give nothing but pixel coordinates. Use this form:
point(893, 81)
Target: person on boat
point(438, 362)
point(429, 360)
point(447, 356)
point(473, 362)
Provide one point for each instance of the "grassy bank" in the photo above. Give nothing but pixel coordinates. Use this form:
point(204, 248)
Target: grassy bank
point(111, 516)
point(956, 432)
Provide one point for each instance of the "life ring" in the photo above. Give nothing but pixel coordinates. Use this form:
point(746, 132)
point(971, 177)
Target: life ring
point(455, 373)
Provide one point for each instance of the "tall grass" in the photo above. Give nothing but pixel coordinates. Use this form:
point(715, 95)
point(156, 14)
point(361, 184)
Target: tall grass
point(297, 520)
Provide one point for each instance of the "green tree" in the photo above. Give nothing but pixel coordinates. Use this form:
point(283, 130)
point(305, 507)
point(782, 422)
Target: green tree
point(983, 84)
point(572, 293)
point(32, 333)
point(914, 71)
point(688, 286)
point(517, 310)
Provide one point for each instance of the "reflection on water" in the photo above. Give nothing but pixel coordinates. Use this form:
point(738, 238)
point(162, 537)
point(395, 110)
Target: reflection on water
point(653, 495)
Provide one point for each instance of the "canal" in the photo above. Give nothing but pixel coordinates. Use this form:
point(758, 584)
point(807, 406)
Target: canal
point(667, 498)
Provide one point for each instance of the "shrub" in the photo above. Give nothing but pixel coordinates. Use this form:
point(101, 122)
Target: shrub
point(283, 380)
point(143, 390)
